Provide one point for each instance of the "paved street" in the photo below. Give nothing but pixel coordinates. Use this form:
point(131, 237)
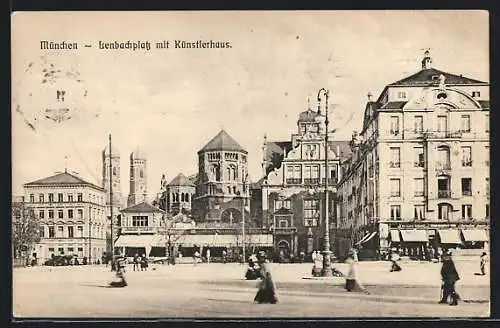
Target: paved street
point(219, 290)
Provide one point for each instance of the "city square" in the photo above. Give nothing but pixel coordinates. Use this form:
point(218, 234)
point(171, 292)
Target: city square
point(220, 291)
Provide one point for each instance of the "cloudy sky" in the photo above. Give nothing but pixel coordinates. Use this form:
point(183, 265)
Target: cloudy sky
point(171, 102)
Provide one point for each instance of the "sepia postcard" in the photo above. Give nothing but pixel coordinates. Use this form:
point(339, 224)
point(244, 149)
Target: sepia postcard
point(250, 164)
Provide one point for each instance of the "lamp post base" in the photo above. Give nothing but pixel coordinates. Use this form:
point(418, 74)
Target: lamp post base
point(327, 265)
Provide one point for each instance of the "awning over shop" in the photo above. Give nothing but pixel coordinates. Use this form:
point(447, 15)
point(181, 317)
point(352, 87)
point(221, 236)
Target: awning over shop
point(416, 236)
point(135, 241)
point(475, 235)
point(261, 240)
point(449, 236)
point(395, 236)
point(366, 238)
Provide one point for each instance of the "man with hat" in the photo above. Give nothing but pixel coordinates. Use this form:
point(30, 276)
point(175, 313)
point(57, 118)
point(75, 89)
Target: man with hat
point(266, 292)
point(483, 264)
point(450, 276)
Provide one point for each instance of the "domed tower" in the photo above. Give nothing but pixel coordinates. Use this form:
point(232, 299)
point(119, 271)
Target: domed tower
point(138, 178)
point(222, 186)
point(114, 159)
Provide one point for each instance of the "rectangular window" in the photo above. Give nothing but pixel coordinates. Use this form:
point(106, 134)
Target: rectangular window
point(80, 213)
point(70, 197)
point(467, 211)
point(395, 157)
point(401, 94)
point(466, 187)
point(51, 198)
point(283, 223)
point(71, 232)
point(32, 198)
point(139, 221)
point(487, 209)
point(60, 198)
point(79, 197)
point(465, 123)
point(60, 231)
point(419, 124)
point(282, 204)
point(476, 94)
point(60, 250)
point(395, 187)
point(395, 212)
point(70, 249)
point(80, 231)
point(51, 214)
point(466, 156)
point(311, 212)
point(60, 214)
point(442, 123)
point(419, 187)
point(41, 214)
point(418, 160)
point(419, 212)
point(70, 214)
point(42, 232)
point(52, 233)
point(394, 125)
point(41, 198)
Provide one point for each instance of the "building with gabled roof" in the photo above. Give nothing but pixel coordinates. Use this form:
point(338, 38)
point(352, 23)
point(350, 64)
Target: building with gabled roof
point(72, 213)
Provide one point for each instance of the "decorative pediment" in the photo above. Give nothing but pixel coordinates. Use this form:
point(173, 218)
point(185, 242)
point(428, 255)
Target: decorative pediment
point(446, 98)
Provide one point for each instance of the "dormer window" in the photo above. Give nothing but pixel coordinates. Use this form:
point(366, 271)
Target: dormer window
point(402, 95)
point(435, 77)
point(476, 94)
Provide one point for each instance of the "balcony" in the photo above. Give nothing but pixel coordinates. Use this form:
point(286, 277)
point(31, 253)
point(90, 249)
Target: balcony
point(419, 164)
point(444, 193)
point(394, 165)
point(285, 231)
point(440, 166)
point(466, 192)
point(312, 181)
point(295, 181)
point(467, 163)
point(330, 181)
point(443, 134)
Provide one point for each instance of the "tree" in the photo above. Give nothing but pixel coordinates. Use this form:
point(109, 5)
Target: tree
point(25, 229)
point(172, 233)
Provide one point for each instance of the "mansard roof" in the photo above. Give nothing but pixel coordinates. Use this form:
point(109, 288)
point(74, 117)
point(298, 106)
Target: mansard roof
point(430, 77)
point(62, 179)
point(223, 141)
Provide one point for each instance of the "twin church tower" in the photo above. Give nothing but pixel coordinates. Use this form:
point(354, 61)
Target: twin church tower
point(137, 178)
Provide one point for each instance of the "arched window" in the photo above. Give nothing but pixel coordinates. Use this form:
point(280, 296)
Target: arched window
point(177, 197)
point(114, 170)
point(444, 211)
point(141, 174)
point(187, 197)
point(228, 170)
point(182, 197)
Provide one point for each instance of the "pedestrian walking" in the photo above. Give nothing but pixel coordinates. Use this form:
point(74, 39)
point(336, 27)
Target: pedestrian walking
point(208, 255)
point(120, 280)
point(195, 257)
point(313, 256)
point(224, 256)
point(144, 263)
point(267, 290)
point(136, 261)
point(394, 258)
point(352, 282)
point(482, 263)
point(449, 276)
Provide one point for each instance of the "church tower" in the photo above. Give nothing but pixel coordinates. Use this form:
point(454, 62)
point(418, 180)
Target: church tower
point(114, 159)
point(138, 178)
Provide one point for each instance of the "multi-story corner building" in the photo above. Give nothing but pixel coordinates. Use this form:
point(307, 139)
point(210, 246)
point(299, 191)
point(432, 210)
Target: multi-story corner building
point(418, 179)
point(178, 195)
point(138, 178)
point(72, 214)
point(290, 196)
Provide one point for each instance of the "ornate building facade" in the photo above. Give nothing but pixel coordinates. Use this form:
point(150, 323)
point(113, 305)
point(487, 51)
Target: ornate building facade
point(112, 180)
point(178, 195)
point(290, 197)
point(418, 178)
point(138, 178)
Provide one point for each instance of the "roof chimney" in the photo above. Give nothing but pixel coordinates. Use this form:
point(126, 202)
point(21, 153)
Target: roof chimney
point(427, 61)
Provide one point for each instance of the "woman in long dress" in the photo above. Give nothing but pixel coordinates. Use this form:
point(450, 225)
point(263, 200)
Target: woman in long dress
point(267, 291)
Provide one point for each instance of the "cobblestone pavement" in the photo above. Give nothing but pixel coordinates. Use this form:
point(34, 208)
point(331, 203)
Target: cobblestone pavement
point(219, 290)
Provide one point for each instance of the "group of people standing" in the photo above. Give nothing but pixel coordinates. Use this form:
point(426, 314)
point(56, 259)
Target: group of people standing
point(140, 262)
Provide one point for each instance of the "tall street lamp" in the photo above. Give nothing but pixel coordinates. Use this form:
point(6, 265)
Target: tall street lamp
point(327, 267)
